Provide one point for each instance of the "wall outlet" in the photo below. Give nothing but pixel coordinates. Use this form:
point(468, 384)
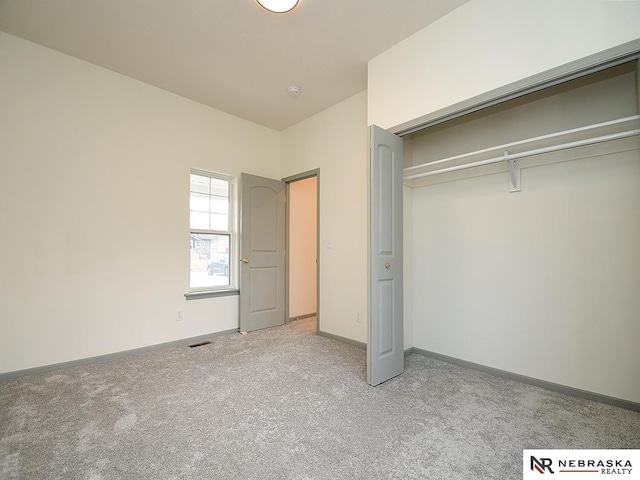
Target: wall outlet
point(179, 316)
point(358, 316)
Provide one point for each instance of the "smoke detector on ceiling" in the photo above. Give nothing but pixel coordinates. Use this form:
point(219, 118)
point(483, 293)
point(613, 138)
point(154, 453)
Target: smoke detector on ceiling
point(293, 91)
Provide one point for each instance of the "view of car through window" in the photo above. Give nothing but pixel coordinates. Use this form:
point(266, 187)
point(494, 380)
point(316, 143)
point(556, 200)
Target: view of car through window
point(209, 260)
point(219, 265)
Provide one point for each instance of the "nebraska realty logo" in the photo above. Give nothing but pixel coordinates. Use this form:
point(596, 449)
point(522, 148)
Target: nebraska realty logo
point(580, 464)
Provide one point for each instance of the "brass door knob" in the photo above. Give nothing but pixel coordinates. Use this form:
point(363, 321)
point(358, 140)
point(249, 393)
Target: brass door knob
point(245, 260)
point(387, 266)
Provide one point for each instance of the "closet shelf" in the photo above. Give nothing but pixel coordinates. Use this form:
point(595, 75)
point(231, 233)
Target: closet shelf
point(506, 156)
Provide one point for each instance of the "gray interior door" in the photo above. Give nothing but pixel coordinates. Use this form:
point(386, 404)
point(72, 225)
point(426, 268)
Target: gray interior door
point(385, 340)
point(262, 250)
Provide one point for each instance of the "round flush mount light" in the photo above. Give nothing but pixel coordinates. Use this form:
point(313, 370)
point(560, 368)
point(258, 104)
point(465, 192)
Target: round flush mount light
point(278, 6)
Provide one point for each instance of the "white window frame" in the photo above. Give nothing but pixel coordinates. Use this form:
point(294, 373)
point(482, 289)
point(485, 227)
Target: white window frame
point(231, 232)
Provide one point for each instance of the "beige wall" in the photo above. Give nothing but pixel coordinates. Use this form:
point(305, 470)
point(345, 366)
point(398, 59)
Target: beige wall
point(486, 44)
point(94, 187)
point(335, 141)
point(302, 246)
point(94, 179)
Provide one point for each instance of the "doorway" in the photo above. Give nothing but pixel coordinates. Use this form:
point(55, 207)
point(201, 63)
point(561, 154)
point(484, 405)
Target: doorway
point(302, 266)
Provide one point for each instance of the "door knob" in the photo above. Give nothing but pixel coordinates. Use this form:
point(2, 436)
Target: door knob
point(387, 266)
point(245, 260)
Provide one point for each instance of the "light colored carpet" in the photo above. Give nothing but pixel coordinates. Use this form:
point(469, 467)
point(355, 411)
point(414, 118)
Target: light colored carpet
point(284, 403)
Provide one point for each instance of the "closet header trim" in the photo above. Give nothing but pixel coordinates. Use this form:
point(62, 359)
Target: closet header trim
point(612, 57)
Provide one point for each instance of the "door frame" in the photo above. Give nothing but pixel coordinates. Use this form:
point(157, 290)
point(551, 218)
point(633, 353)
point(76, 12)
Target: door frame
point(288, 180)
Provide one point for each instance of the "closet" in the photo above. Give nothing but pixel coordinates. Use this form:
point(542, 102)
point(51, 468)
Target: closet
point(523, 227)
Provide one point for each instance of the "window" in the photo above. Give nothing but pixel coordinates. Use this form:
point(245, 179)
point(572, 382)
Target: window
point(211, 227)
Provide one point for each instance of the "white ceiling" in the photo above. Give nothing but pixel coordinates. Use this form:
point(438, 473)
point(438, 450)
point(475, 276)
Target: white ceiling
point(230, 54)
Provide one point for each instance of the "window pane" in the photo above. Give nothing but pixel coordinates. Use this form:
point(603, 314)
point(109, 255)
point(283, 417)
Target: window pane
point(199, 183)
point(218, 205)
point(199, 202)
point(209, 210)
point(220, 187)
point(209, 260)
point(199, 220)
point(219, 222)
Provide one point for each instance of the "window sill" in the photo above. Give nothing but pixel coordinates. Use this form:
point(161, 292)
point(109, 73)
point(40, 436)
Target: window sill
point(211, 294)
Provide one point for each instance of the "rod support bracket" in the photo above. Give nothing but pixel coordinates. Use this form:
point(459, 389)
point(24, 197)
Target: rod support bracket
point(514, 173)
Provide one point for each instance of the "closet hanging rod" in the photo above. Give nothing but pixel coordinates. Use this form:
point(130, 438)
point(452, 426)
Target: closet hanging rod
point(506, 146)
point(538, 151)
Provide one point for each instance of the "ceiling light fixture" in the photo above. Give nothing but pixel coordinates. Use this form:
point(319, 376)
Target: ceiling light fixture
point(278, 6)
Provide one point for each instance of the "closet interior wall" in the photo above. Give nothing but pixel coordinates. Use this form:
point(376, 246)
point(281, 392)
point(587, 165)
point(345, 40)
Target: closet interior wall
point(544, 282)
